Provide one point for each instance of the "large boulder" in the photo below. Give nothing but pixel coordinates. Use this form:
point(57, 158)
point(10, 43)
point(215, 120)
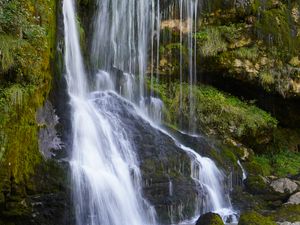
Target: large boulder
point(294, 199)
point(210, 219)
point(284, 186)
point(165, 167)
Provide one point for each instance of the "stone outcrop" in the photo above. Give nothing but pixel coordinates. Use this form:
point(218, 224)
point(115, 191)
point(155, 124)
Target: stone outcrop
point(284, 186)
point(294, 199)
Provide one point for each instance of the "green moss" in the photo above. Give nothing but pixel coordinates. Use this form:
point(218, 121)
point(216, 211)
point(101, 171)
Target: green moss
point(226, 156)
point(281, 164)
point(256, 185)
point(254, 218)
point(280, 33)
point(264, 164)
point(289, 213)
point(8, 46)
point(210, 219)
point(250, 53)
point(266, 79)
point(28, 31)
point(282, 157)
point(19, 130)
point(211, 42)
point(253, 167)
point(218, 111)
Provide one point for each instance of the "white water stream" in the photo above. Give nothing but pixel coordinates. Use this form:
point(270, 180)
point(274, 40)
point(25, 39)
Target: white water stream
point(106, 176)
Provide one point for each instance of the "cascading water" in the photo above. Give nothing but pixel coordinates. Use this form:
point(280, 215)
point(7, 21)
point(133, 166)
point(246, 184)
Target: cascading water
point(244, 175)
point(213, 197)
point(105, 171)
point(191, 16)
point(212, 194)
point(120, 38)
point(188, 15)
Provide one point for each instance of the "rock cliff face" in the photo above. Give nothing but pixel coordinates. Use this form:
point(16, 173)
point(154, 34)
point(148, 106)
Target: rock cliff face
point(247, 48)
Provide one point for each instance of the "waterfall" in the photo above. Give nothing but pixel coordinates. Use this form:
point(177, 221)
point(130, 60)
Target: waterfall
point(212, 194)
point(213, 197)
point(105, 169)
point(120, 38)
point(105, 173)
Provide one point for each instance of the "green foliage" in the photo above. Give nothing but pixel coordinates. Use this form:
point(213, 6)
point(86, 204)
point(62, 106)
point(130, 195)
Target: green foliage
point(218, 111)
point(255, 184)
point(276, 28)
point(254, 218)
point(170, 57)
point(8, 46)
point(264, 164)
point(266, 79)
point(19, 129)
point(211, 42)
point(232, 32)
point(289, 213)
point(281, 158)
point(27, 32)
point(281, 164)
point(27, 35)
point(11, 17)
point(250, 53)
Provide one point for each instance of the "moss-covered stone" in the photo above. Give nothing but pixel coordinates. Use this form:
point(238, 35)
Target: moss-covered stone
point(289, 213)
point(29, 28)
point(210, 219)
point(27, 38)
point(217, 113)
point(254, 218)
point(235, 40)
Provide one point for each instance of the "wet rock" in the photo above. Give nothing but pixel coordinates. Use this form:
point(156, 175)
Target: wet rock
point(284, 186)
point(210, 219)
point(44, 199)
point(161, 162)
point(294, 199)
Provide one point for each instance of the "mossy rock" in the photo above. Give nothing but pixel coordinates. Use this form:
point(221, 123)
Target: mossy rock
point(289, 213)
point(256, 184)
point(210, 219)
point(28, 31)
point(216, 113)
point(254, 218)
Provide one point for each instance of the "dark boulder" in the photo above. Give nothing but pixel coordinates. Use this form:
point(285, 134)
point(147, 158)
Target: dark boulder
point(165, 167)
point(210, 219)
